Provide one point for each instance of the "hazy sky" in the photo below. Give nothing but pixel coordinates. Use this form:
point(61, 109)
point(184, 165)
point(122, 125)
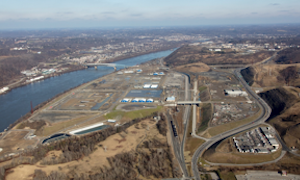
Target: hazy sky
point(102, 13)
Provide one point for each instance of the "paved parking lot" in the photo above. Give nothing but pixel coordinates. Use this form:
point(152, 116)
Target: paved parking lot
point(266, 175)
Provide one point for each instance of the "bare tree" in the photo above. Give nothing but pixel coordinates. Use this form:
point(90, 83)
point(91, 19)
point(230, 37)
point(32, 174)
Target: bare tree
point(288, 74)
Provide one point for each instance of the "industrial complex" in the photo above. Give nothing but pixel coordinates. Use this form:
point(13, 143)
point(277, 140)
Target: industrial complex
point(258, 140)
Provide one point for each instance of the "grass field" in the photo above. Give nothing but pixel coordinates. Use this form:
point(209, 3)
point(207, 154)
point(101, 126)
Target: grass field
point(202, 88)
point(55, 127)
point(226, 127)
point(132, 114)
point(206, 116)
point(14, 140)
point(226, 175)
point(241, 158)
point(191, 145)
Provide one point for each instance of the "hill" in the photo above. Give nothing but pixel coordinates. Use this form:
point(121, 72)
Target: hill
point(272, 75)
point(193, 67)
point(288, 56)
point(248, 74)
point(285, 104)
point(193, 54)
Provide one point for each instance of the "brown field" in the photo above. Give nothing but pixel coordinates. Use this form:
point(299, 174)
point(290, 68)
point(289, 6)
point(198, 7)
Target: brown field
point(240, 158)
point(225, 127)
point(55, 127)
point(69, 103)
point(115, 144)
point(14, 140)
point(4, 57)
point(288, 125)
point(193, 67)
point(191, 146)
point(225, 146)
point(266, 75)
point(193, 54)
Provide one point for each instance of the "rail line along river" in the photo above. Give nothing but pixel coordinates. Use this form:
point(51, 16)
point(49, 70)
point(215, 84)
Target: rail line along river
point(16, 103)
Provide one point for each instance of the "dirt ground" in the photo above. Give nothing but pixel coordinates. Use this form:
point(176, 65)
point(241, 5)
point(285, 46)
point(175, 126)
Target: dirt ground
point(115, 144)
point(55, 127)
point(194, 67)
point(14, 140)
point(266, 75)
point(225, 146)
point(238, 158)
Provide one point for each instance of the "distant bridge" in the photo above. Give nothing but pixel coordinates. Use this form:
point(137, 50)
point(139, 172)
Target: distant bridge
point(188, 102)
point(104, 64)
point(228, 66)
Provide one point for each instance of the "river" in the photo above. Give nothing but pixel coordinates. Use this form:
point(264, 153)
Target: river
point(16, 103)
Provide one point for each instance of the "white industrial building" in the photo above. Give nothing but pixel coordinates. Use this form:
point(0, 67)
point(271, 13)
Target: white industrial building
point(147, 86)
point(35, 79)
point(128, 72)
point(135, 100)
point(2, 90)
point(235, 92)
point(126, 100)
point(273, 142)
point(149, 101)
point(263, 151)
point(170, 99)
point(142, 100)
point(154, 86)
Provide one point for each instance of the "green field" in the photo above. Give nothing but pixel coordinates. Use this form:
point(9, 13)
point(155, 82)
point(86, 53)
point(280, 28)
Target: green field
point(202, 88)
point(206, 112)
point(132, 114)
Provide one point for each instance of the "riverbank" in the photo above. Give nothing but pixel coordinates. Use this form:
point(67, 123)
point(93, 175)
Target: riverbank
point(16, 104)
point(22, 82)
point(144, 53)
point(43, 104)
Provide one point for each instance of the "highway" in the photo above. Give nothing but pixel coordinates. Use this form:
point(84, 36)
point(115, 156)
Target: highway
point(186, 115)
point(265, 113)
point(194, 120)
point(178, 146)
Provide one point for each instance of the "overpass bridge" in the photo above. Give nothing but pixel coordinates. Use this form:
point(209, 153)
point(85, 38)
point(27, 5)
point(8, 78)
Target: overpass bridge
point(188, 102)
point(114, 65)
point(228, 66)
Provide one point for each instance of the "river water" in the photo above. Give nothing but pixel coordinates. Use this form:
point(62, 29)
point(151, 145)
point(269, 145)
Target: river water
point(16, 103)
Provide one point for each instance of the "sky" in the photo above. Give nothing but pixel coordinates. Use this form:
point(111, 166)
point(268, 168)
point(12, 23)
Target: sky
point(34, 14)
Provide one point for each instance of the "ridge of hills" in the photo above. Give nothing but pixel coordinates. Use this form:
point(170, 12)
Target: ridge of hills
point(193, 54)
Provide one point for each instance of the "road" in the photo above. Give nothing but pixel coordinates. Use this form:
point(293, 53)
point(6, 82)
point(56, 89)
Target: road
point(178, 146)
point(186, 115)
point(250, 164)
point(194, 120)
point(265, 113)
